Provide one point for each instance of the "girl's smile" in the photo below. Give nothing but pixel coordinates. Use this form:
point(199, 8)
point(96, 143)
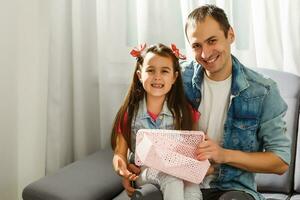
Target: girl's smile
point(157, 75)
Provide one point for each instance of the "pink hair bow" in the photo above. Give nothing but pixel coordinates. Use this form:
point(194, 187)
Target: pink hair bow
point(177, 53)
point(136, 52)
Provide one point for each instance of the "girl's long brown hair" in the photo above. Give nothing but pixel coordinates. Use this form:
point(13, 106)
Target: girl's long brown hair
point(176, 101)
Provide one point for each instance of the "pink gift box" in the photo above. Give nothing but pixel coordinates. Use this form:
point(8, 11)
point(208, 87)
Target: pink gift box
point(172, 152)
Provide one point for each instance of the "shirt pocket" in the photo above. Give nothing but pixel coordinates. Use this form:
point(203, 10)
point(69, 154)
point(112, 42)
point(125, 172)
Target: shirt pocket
point(244, 135)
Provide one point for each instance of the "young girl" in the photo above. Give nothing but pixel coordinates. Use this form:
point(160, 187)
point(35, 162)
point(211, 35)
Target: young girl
point(155, 100)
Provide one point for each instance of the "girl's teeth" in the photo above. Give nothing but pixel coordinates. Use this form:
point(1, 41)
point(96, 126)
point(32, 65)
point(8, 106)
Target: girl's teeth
point(157, 85)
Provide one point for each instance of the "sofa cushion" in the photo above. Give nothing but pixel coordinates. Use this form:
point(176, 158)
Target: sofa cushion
point(297, 164)
point(275, 196)
point(89, 179)
point(295, 197)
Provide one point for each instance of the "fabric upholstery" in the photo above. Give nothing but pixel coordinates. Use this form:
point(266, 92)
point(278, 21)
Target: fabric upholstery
point(87, 179)
point(295, 197)
point(289, 86)
point(297, 164)
point(93, 178)
point(274, 196)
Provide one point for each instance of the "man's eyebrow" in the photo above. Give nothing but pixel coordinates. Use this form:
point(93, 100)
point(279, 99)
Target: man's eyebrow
point(210, 38)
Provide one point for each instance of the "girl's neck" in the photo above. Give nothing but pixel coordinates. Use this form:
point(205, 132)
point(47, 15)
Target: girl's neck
point(155, 104)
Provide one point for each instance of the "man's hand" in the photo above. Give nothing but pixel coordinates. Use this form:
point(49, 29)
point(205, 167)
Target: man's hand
point(210, 150)
point(210, 170)
point(257, 162)
point(127, 182)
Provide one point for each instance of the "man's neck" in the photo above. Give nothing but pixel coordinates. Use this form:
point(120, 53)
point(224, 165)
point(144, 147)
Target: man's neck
point(222, 74)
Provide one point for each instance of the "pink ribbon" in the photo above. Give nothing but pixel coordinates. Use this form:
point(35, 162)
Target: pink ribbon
point(136, 52)
point(177, 53)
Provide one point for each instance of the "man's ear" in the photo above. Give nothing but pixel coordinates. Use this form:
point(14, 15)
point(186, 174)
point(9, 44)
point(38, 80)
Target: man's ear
point(231, 35)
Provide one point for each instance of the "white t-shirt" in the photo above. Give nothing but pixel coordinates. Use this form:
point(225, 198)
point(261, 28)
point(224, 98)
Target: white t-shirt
point(213, 109)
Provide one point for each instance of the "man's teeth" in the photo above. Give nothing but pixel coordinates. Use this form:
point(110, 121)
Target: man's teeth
point(212, 60)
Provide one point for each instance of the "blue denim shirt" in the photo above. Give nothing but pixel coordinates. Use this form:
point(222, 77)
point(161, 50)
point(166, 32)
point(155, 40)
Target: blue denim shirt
point(254, 120)
point(143, 120)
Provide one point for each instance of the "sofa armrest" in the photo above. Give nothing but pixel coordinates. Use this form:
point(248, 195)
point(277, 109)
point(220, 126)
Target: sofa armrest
point(91, 178)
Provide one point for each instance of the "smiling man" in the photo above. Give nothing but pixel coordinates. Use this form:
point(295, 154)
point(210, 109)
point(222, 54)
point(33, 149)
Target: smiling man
point(241, 111)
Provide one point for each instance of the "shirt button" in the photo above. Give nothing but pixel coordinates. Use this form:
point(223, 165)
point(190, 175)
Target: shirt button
point(197, 100)
point(161, 117)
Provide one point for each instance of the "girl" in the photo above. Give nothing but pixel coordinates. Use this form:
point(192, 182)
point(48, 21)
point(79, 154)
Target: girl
point(155, 100)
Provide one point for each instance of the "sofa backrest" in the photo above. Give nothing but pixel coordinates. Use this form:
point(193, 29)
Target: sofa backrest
point(289, 87)
point(297, 163)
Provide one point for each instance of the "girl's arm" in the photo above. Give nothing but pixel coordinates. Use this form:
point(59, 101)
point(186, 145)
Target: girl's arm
point(195, 117)
point(120, 158)
point(195, 126)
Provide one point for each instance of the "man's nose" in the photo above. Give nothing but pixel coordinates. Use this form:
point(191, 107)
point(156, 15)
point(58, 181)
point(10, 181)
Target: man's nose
point(206, 52)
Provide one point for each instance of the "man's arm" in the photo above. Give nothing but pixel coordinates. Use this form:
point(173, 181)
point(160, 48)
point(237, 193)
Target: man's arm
point(271, 134)
point(258, 162)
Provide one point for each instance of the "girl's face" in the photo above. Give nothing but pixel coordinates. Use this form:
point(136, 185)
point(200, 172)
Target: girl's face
point(157, 75)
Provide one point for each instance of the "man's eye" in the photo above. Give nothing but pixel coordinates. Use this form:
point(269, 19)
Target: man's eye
point(196, 46)
point(212, 41)
point(165, 71)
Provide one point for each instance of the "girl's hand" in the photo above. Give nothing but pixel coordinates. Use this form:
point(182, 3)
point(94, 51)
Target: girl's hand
point(120, 166)
point(127, 183)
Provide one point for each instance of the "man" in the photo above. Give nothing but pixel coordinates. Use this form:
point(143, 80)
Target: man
point(241, 111)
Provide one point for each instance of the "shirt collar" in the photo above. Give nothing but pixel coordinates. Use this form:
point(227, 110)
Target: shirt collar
point(239, 80)
point(143, 112)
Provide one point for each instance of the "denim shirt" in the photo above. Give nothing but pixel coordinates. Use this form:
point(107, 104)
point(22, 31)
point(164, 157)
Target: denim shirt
point(143, 120)
point(254, 120)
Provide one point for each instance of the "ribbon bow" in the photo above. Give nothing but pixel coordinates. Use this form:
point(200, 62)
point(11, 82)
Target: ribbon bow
point(136, 52)
point(177, 53)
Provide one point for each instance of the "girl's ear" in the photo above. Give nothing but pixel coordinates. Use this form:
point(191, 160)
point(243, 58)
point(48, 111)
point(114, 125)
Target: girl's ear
point(175, 77)
point(138, 73)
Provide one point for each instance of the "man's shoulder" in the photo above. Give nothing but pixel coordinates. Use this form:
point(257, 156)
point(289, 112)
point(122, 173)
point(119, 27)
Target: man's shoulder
point(256, 78)
point(188, 64)
point(188, 69)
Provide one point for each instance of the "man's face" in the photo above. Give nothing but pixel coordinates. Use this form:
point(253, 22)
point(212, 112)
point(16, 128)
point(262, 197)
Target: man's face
point(211, 48)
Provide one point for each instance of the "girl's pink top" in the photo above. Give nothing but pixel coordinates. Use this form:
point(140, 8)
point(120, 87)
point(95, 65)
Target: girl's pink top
point(195, 117)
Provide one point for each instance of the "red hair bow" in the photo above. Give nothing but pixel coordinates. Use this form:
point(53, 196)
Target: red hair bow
point(136, 52)
point(177, 53)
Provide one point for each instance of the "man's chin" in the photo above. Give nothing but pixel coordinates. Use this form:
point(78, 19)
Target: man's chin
point(210, 69)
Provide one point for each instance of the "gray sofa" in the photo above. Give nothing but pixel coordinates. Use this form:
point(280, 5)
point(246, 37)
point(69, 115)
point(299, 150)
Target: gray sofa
point(92, 178)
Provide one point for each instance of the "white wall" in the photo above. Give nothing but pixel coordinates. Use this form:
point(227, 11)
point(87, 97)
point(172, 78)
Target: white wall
point(8, 101)
point(23, 84)
point(32, 90)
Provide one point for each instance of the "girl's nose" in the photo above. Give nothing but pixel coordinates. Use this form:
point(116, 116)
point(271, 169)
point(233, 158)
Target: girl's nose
point(157, 76)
